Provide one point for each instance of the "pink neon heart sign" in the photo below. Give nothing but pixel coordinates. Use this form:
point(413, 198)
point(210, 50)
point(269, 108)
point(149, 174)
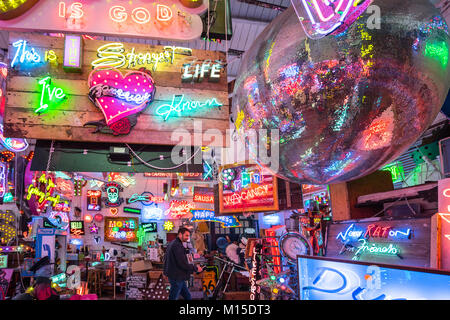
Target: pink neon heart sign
point(119, 97)
point(321, 17)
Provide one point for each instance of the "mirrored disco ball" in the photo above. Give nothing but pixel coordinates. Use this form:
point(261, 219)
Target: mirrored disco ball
point(350, 102)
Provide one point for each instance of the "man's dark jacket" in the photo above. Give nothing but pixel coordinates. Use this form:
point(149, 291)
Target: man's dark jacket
point(176, 266)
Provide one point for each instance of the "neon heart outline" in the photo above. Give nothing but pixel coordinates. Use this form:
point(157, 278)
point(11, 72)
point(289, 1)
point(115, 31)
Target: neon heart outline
point(99, 104)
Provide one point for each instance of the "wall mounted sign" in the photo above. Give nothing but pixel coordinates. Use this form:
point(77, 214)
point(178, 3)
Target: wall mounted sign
point(168, 226)
point(7, 227)
point(121, 229)
point(13, 9)
point(320, 18)
point(383, 241)
point(179, 209)
point(152, 213)
point(145, 198)
point(83, 107)
point(120, 98)
point(94, 200)
point(123, 180)
point(3, 179)
point(43, 189)
point(59, 219)
point(247, 188)
point(333, 279)
point(196, 72)
point(208, 215)
point(164, 19)
point(112, 190)
point(150, 227)
point(73, 53)
point(3, 262)
point(132, 210)
point(77, 228)
point(203, 194)
point(13, 144)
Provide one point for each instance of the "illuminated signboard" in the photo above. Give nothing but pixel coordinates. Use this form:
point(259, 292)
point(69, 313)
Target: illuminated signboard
point(204, 195)
point(179, 209)
point(94, 200)
point(13, 144)
point(152, 213)
point(135, 91)
point(334, 279)
point(3, 262)
point(320, 18)
point(145, 198)
point(150, 227)
point(208, 215)
point(444, 223)
point(164, 19)
point(247, 188)
point(121, 229)
point(382, 241)
point(77, 228)
point(112, 190)
point(43, 188)
point(3, 179)
point(7, 227)
point(73, 53)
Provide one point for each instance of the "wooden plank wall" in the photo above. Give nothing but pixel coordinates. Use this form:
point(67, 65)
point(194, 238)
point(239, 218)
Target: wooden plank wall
point(415, 252)
point(65, 120)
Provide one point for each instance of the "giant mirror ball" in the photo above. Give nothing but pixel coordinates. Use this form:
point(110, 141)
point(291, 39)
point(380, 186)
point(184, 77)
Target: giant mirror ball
point(351, 102)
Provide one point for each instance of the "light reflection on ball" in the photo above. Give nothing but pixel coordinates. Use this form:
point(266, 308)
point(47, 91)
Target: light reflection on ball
point(349, 103)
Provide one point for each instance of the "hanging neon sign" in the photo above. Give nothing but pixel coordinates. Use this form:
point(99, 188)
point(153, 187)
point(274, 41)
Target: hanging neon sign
point(13, 144)
point(50, 95)
point(113, 55)
point(179, 105)
point(120, 97)
point(208, 215)
point(112, 190)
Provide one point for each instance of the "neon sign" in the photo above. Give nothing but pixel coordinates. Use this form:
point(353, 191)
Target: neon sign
point(182, 105)
point(205, 69)
point(3, 179)
point(247, 195)
point(372, 231)
point(320, 18)
point(132, 210)
point(50, 95)
point(152, 213)
point(121, 229)
point(146, 198)
point(112, 190)
point(120, 97)
point(204, 195)
point(43, 190)
point(124, 181)
point(179, 209)
point(73, 50)
point(94, 200)
point(77, 228)
point(113, 55)
point(13, 144)
point(168, 225)
point(7, 227)
point(168, 19)
point(373, 248)
point(59, 219)
point(208, 215)
point(28, 55)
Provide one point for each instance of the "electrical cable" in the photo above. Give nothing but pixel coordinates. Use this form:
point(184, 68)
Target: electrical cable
point(159, 168)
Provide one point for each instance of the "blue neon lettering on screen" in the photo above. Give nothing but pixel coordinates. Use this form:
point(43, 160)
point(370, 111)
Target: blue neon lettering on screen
point(182, 106)
point(322, 279)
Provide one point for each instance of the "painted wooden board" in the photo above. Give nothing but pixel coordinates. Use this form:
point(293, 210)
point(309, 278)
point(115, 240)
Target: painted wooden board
point(65, 120)
point(412, 250)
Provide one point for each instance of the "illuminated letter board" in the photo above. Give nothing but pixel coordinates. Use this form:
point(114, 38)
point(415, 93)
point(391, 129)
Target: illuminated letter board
point(122, 229)
point(247, 188)
point(77, 228)
point(94, 200)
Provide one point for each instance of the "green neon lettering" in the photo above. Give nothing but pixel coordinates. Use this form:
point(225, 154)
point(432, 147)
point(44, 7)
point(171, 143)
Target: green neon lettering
point(49, 95)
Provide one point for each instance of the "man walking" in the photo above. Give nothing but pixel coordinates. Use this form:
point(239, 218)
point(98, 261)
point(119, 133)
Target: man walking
point(177, 267)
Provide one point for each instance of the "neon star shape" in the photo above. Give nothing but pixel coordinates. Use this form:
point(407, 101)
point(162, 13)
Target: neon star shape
point(276, 282)
point(94, 228)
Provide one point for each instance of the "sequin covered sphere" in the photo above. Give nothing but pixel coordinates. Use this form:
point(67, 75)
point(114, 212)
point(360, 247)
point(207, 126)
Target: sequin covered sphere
point(350, 102)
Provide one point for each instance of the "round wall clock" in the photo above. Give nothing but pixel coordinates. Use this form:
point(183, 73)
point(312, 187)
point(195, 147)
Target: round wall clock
point(292, 244)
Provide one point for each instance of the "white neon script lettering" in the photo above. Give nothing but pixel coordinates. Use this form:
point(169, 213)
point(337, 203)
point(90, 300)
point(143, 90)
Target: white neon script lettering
point(166, 110)
point(23, 54)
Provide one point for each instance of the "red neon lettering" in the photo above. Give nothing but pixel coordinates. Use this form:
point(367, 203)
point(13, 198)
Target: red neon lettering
point(368, 231)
